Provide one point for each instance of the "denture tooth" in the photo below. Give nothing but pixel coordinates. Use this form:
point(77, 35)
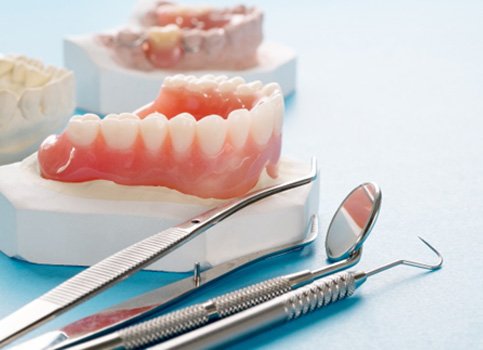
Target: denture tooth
point(83, 130)
point(118, 133)
point(230, 84)
point(208, 77)
point(88, 117)
point(30, 104)
point(270, 88)
point(255, 85)
point(221, 78)
point(6, 65)
point(243, 90)
point(35, 77)
point(154, 129)
point(192, 40)
point(8, 105)
point(239, 127)
point(226, 86)
point(190, 79)
point(211, 131)
point(237, 81)
point(129, 116)
point(278, 104)
point(182, 131)
point(175, 81)
point(262, 122)
point(19, 72)
point(164, 37)
point(207, 84)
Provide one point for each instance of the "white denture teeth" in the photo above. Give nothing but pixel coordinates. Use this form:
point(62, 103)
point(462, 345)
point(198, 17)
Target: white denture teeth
point(239, 127)
point(154, 129)
point(208, 77)
point(255, 85)
point(236, 81)
point(182, 131)
point(119, 133)
point(270, 88)
point(243, 90)
point(230, 84)
point(278, 104)
point(221, 78)
point(211, 132)
point(83, 130)
point(262, 122)
point(130, 116)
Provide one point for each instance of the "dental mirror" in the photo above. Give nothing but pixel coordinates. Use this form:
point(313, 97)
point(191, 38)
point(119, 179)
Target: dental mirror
point(353, 221)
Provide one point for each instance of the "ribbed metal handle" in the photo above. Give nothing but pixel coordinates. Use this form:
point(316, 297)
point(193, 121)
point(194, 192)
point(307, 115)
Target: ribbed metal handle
point(116, 267)
point(184, 320)
point(319, 294)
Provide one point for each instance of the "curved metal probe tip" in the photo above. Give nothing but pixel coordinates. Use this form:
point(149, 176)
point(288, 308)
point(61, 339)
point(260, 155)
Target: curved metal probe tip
point(410, 263)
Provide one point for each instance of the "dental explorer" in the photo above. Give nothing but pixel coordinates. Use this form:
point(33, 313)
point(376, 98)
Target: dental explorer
point(284, 308)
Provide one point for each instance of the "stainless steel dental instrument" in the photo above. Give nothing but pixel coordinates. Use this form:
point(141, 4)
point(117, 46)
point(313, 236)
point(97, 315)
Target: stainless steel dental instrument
point(349, 227)
point(284, 308)
point(128, 261)
point(154, 301)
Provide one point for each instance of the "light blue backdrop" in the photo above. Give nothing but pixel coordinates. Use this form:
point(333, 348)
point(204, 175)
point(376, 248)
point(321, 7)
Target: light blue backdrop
point(388, 91)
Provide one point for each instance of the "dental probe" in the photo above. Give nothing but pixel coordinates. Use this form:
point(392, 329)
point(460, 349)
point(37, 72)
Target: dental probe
point(126, 262)
point(363, 199)
point(284, 308)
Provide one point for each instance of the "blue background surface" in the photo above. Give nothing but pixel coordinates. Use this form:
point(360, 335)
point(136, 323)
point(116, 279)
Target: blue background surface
point(387, 91)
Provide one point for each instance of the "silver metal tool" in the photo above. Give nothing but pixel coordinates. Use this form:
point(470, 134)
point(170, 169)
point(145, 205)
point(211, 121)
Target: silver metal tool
point(146, 304)
point(284, 308)
point(349, 227)
point(128, 261)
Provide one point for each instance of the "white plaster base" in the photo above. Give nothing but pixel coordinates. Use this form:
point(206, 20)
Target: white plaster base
point(103, 86)
point(50, 222)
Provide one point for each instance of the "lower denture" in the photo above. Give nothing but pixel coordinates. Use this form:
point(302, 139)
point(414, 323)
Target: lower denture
point(209, 137)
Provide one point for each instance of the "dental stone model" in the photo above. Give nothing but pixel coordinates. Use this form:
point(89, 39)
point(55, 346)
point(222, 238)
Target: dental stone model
point(189, 37)
point(208, 136)
point(116, 70)
point(35, 100)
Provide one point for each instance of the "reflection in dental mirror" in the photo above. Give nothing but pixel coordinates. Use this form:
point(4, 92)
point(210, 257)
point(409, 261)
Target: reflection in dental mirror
point(353, 221)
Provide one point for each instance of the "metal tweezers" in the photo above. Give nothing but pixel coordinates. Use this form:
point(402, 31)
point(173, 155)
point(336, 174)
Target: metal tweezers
point(128, 261)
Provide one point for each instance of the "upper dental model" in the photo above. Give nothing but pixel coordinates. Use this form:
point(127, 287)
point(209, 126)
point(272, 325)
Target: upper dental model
point(182, 37)
point(35, 100)
point(209, 137)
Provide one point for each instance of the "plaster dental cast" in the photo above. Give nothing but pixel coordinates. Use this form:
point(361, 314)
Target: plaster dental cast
point(35, 100)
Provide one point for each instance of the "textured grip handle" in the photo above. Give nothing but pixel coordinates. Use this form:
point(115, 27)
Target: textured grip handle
point(319, 294)
point(245, 298)
point(184, 320)
point(116, 267)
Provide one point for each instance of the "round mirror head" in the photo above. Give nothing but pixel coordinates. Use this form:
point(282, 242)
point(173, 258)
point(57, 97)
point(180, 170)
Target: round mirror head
point(353, 221)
